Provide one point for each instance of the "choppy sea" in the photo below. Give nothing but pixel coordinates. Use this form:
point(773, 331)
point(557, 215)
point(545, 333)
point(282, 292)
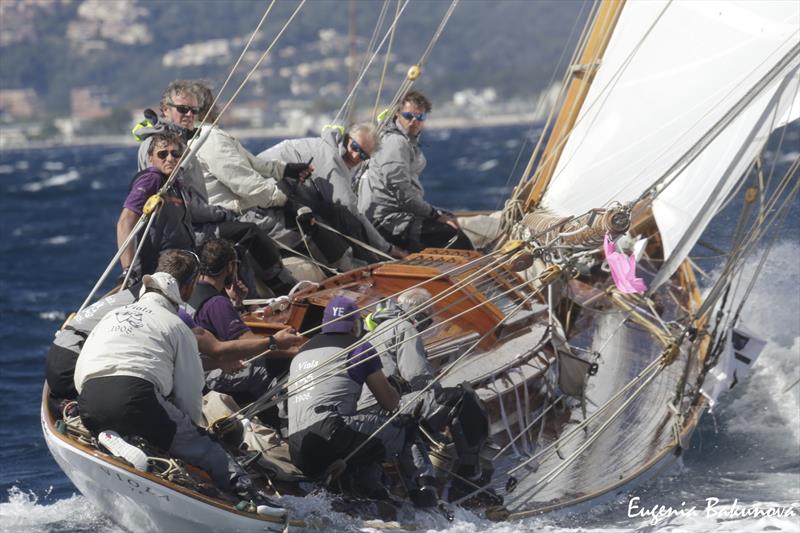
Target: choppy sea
point(58, 211)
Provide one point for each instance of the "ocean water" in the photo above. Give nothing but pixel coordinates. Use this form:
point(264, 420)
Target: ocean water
point(58, 211)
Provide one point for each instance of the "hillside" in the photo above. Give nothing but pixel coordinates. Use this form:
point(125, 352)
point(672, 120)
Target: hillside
point(134, 47)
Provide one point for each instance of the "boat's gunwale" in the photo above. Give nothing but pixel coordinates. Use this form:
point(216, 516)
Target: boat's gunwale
point(49, 422)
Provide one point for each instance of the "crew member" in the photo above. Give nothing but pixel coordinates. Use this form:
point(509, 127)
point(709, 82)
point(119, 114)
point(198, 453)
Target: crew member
point(179, 110)
point(391, 193)
point(398, 339)
point(250, 187)
point(323, 423)
point(212, 309)
point(337, 156)
point(139, 374)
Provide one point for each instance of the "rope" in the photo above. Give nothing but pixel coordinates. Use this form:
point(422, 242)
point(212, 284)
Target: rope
point(386, 62)
point(332, 365)
point(355, 241)
point(187, 155)
point(407, 83)
point(441, 375)
point(364, 71)
point(547, 478)
point(275, 389)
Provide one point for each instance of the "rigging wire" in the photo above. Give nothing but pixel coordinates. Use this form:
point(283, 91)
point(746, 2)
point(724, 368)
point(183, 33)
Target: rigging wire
point(187, 156)
point(369, 63)
point(385, 63)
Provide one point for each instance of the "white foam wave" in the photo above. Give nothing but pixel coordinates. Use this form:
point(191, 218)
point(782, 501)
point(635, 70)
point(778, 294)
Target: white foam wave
point(55, 181)
point(52, 315)
point(58, 240)
point(53, 165)
point(764, 406)
point(22, 165)
point(488, 165)
point(6, 169)
point(24, 512)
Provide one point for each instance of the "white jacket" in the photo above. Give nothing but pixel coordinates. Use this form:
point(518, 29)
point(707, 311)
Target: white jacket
point(236, 179)
point(147, 340)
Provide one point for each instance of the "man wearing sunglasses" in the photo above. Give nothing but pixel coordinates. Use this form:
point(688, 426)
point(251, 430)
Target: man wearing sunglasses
point(252, 188)
point(338, 155)
point(390, 191)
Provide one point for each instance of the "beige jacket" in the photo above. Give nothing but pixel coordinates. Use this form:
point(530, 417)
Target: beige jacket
point(235, 178)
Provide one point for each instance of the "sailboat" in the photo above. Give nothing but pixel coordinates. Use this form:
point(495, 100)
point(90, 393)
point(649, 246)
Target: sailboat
point(594, 374)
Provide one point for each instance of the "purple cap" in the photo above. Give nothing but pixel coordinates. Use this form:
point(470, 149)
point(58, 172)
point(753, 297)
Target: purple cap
point(338, 307)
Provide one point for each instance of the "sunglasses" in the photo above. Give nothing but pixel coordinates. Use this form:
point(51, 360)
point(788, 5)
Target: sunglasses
point(408, 115)
point(361, 153)
point(162, 154)
point(184, 109)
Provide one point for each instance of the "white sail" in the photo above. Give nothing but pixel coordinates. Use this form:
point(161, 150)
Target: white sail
point(671, 72)
point(684, 208)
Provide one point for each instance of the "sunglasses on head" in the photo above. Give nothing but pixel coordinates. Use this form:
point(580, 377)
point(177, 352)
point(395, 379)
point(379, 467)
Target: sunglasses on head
point(408, 115)
point(361, 153)
point(162, 154)
point(184, 109)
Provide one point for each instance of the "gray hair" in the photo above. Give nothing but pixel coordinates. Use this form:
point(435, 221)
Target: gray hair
point(414, 298)
point(205, 98)
point(368, 129)
point(176, 88)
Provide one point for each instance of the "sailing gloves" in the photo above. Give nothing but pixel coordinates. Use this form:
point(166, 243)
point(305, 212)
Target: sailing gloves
point(298, 171)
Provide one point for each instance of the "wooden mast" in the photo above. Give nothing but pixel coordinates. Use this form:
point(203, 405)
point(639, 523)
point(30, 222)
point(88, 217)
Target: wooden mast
point(582, 76)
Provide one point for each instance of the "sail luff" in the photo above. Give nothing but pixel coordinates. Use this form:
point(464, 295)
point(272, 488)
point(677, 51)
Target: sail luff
point(582, 77)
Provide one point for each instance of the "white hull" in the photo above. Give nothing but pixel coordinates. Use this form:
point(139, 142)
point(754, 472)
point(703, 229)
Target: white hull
point(137, 503)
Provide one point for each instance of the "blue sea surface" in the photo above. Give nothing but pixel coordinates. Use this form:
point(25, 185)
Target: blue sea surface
point(58, 212)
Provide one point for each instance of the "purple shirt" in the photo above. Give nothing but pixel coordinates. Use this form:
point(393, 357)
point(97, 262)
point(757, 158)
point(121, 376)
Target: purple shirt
point(145, 186)
point(359, 373)
point(218, 316)
point(189, 321)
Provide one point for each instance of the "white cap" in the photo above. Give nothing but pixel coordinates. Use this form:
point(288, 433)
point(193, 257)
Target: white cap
point(164, 283)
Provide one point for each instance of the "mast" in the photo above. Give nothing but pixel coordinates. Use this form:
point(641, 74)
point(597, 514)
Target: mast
point(582, 76)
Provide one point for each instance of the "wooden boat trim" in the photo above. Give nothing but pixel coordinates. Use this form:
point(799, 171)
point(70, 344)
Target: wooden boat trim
point(49, 421)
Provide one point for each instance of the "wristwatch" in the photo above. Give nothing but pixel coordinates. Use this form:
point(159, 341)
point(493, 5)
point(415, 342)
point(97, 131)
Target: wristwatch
point(272, 344)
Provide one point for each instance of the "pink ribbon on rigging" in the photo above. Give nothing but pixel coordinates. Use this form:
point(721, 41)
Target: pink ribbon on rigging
point(623, 269)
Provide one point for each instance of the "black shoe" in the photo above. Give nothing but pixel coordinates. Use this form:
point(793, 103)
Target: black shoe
point(425, 494)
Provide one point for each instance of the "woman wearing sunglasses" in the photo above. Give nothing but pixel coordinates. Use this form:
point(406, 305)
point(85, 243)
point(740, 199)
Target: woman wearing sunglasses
point(172, 228)
point(390, 191)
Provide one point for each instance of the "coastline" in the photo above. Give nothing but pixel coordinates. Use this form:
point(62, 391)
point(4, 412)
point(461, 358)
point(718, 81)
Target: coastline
point(437, 123)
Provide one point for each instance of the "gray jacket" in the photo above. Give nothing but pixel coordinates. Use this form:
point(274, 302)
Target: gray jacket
point(390, 191)
point(314, 398)
point(332, 177)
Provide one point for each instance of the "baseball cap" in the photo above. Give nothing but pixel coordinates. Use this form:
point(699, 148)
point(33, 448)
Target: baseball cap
point(340, 306)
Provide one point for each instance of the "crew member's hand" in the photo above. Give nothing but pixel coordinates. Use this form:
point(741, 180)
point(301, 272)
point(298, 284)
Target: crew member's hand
point(397, 253)
point(305, 219)
point(298, 171)
point(237, 292)
point(230, 367)
point(287, 338)
point(450, 221)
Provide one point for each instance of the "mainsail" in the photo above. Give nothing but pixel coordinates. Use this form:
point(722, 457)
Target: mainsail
point(659, 111)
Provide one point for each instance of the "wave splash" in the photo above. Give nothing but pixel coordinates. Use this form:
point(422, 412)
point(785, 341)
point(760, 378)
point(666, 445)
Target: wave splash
point(24, 512)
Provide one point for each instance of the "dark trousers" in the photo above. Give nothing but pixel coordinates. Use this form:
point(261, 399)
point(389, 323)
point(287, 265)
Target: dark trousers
point(127, 405)
point(313, 449)
point(265, 253)
point(132, 407)
point(60, 372)
point(428, 233)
